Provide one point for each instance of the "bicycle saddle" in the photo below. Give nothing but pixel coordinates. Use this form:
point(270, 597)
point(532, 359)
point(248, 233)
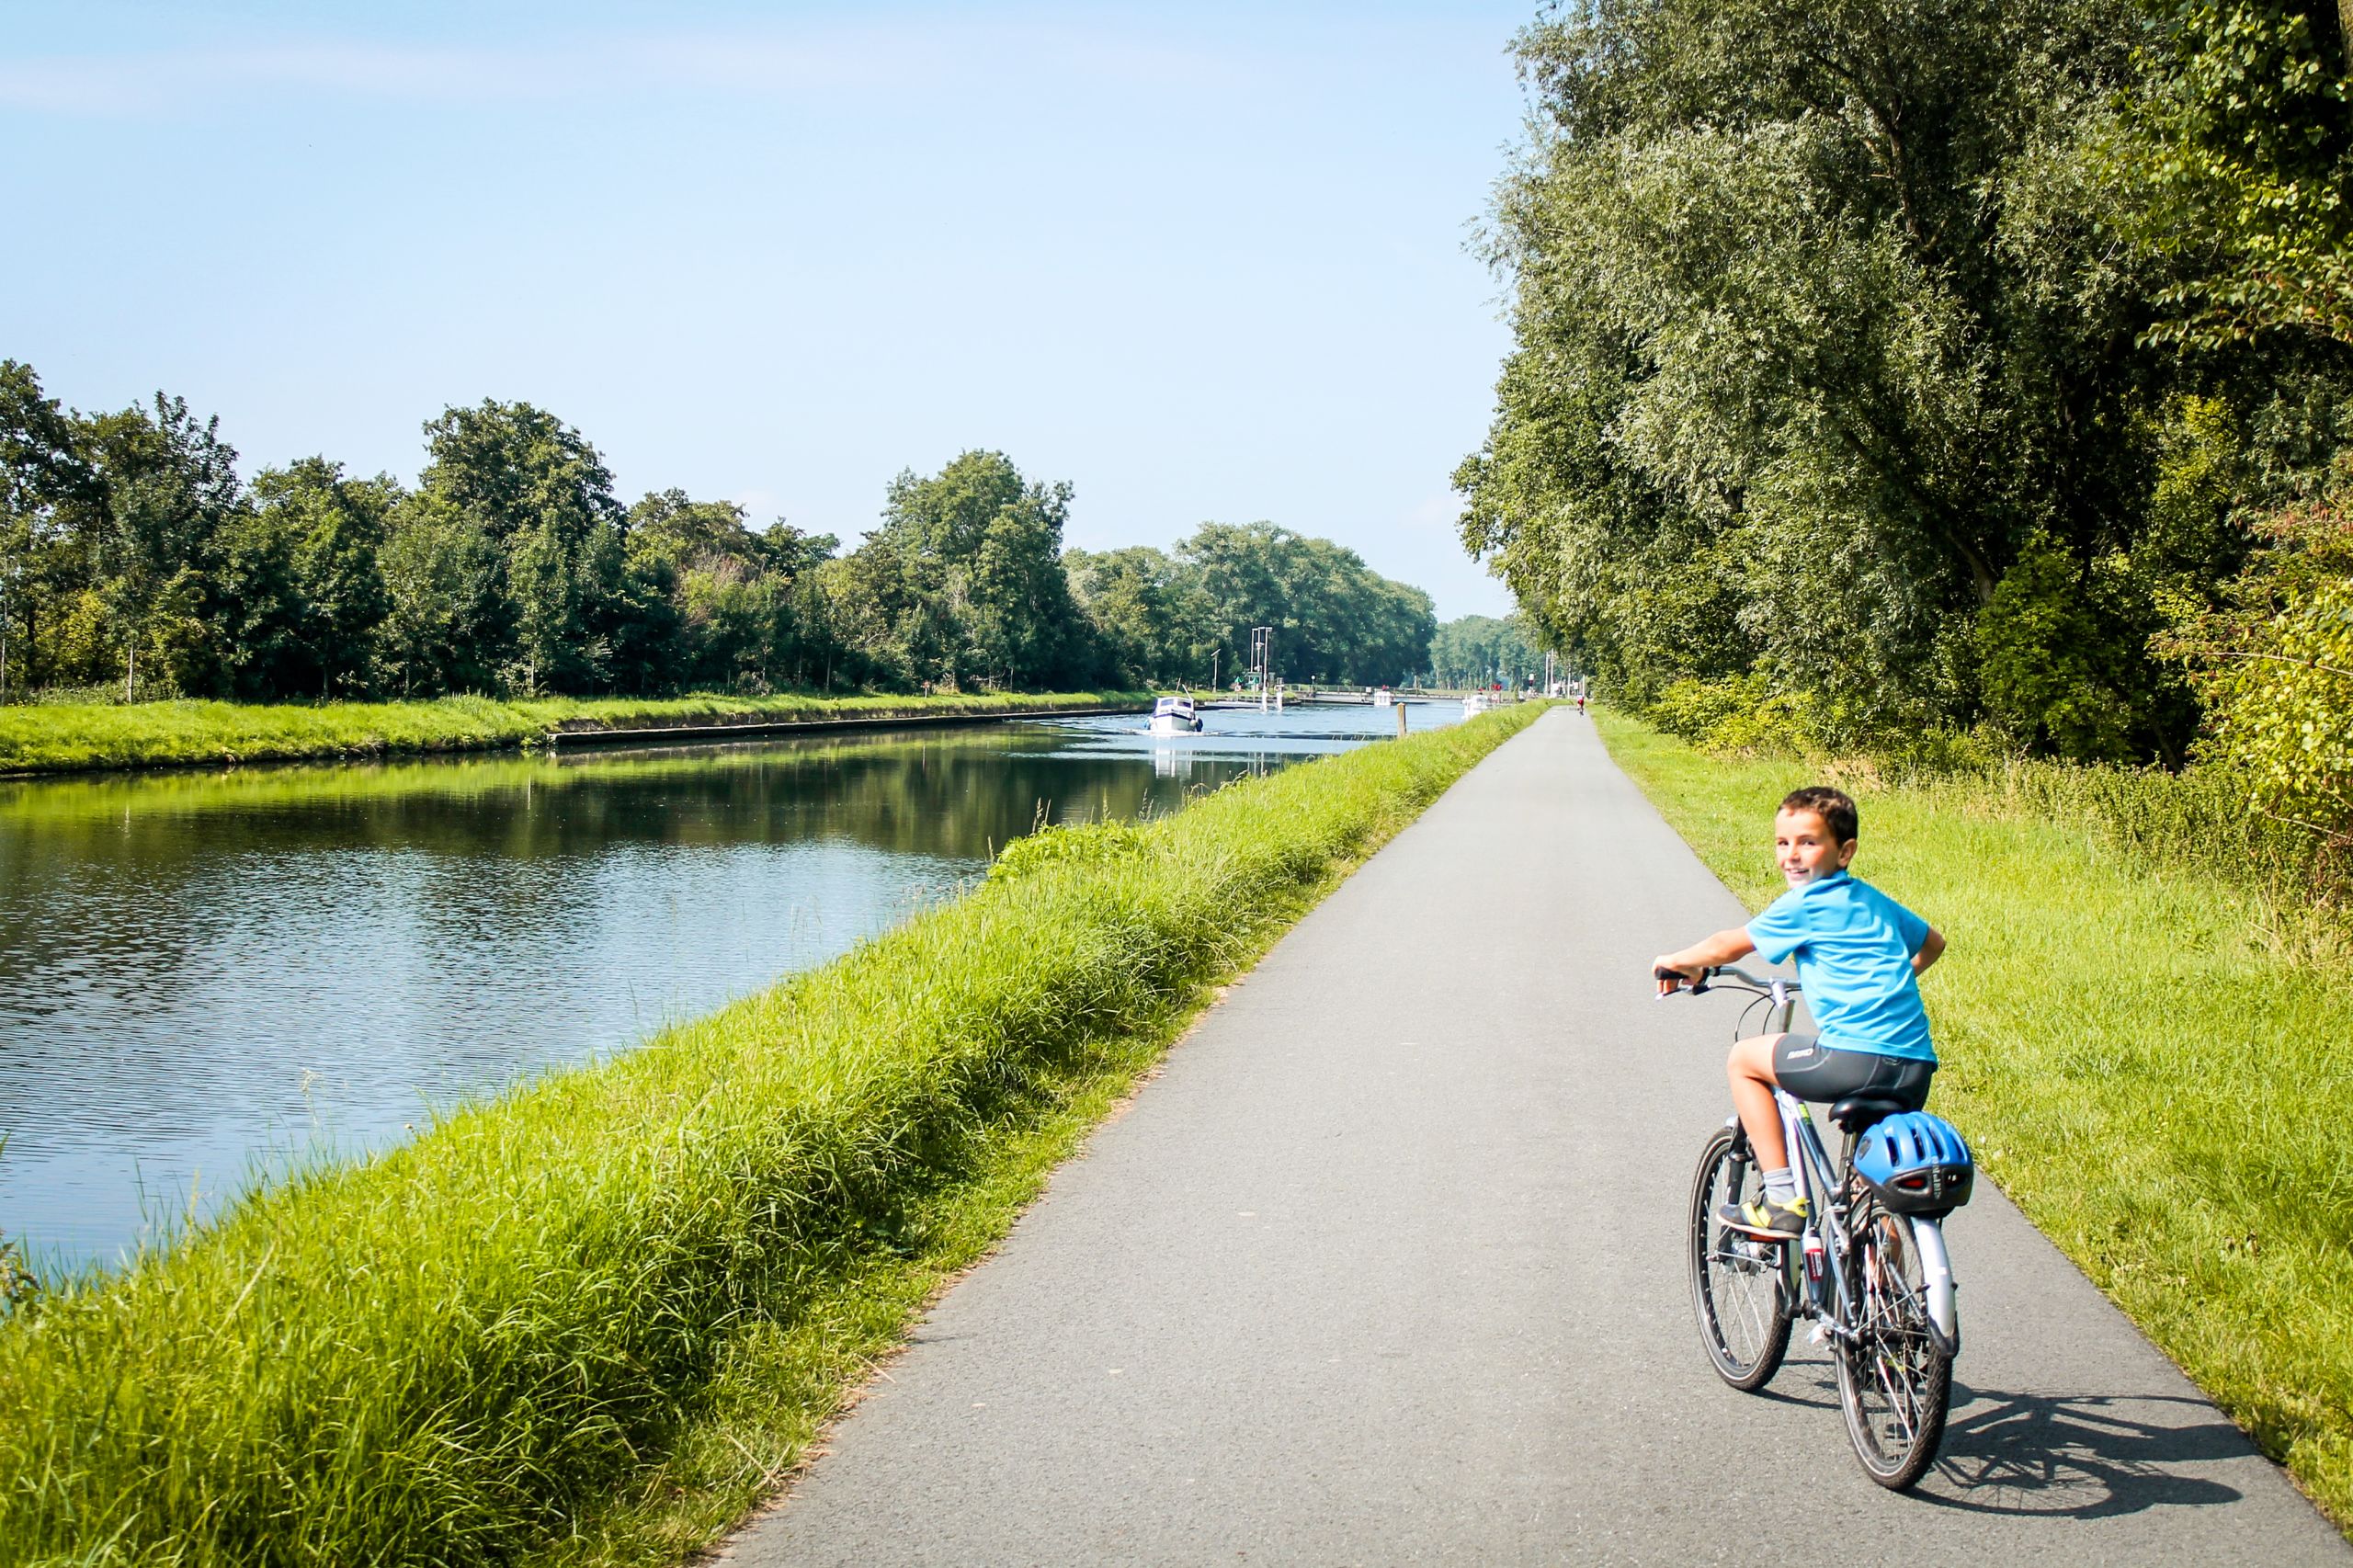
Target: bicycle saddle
point(1858, 1111)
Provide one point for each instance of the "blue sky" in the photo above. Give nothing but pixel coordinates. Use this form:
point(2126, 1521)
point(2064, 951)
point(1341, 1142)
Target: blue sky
point(1203, 262)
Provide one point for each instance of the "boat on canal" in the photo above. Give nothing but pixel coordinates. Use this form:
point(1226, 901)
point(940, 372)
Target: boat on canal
point(1175, 716)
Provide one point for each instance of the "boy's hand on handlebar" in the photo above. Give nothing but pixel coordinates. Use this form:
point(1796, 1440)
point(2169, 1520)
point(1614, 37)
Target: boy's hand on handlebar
point(1696, 965)
point(1672, 978)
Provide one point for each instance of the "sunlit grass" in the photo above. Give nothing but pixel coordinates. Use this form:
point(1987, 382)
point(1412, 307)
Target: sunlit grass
point(2147, 1048)
point(61, 737)
point(593, 1320)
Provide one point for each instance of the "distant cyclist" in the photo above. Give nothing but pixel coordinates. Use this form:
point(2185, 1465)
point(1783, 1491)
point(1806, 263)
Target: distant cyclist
point(1859, 956)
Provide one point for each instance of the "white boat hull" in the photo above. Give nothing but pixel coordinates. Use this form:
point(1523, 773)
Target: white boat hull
point(1175, 716)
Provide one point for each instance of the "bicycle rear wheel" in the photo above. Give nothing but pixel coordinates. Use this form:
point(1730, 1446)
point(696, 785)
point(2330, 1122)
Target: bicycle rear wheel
point(1739, 1284)
point(1894, 1382)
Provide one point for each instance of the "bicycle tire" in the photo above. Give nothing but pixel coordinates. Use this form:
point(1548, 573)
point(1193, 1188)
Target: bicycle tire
point(1895, 1378)
point(1740, 1287)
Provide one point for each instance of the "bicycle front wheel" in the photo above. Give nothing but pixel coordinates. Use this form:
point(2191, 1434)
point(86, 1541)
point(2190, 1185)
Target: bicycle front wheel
point(1739, 1284)
point(1894, 1380)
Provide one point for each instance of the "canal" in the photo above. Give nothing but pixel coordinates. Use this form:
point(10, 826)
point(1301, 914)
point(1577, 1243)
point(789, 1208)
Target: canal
point(205, 977)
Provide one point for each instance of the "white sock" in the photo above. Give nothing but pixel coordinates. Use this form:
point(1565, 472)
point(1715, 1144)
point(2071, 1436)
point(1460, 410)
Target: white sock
point(1780, 1186)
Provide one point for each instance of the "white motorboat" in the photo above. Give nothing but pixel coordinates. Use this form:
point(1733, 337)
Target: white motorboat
point(1475, 705)
point(1384, 697)
point(1175, 716)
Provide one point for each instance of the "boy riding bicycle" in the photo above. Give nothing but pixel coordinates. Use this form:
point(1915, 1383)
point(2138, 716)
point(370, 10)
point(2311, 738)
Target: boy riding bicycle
point(1859, 956)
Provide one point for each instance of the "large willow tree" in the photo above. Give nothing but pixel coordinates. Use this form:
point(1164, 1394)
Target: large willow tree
point(1833, 375)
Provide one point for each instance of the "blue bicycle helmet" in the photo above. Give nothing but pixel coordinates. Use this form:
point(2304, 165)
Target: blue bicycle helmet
point(1916, 1163)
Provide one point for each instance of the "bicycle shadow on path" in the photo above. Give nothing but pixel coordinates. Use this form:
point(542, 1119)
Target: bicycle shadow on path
point(2059, 1455)
point(2080, 1455)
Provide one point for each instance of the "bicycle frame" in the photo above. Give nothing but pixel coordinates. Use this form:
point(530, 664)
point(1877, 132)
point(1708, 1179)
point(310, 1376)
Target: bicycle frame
point(1824, 1289)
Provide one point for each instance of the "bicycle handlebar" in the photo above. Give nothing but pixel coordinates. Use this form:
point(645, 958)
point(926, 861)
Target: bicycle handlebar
point(1677, 981)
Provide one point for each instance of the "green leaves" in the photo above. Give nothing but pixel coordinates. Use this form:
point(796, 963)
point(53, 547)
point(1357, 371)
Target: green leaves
point(2233, 159)
point(2053, 666)
point(1837, 374)
point(1475, 649)
point(2275, 666)
point(128, 541)
point(1333, 619)
point(964, 581)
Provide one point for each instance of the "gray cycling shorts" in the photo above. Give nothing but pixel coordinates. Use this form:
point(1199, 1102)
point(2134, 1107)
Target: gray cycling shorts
point(1812, 1070)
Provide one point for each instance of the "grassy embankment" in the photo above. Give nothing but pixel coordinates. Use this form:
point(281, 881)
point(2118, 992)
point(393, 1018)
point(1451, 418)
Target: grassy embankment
point(56, 738)
point(593, 1321)
point(2143, 1041)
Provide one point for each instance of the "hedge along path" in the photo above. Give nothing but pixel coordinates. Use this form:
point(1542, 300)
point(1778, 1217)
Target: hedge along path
point(455, 1351)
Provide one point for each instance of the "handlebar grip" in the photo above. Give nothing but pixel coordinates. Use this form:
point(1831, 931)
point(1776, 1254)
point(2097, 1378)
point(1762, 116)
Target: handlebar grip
point(1676, 979)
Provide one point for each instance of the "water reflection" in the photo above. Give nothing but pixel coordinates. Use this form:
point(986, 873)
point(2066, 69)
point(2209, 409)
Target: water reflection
point(199, 973)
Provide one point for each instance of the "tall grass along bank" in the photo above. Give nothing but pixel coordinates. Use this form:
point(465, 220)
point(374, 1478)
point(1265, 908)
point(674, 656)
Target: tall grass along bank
point(591, 1320)
point(67, 737)
point(2147, 1052)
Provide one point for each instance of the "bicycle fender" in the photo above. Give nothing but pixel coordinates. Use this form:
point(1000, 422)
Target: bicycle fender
point(1936, 1269)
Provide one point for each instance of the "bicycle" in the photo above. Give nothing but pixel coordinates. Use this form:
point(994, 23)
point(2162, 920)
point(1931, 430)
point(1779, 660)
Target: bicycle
point(1877, 1283)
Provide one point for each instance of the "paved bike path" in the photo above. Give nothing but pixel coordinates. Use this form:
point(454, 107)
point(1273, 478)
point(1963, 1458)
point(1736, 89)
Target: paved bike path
point(1386, 1268)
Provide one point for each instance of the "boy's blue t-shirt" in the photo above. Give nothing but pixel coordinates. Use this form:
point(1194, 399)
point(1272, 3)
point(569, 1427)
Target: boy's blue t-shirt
point(1853, 946)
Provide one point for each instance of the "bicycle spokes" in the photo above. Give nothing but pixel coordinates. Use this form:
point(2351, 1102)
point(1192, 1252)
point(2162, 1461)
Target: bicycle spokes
point(1894, 1381)
point(1738, 1286)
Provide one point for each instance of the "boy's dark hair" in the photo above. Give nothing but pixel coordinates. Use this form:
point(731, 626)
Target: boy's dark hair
point(1834, 807)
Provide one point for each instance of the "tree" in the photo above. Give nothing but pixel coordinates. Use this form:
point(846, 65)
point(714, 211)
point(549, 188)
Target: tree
point(974, 557)
point(1820, 331)
point(725, 606)
point(1474, 649)
point(1147, 614)
point(49, 507)
point(445, 581)
point(2235, 152)
point(130, 548)
point(2275, 664)
point(1332, 618)
point(1026, 630)
point(534, 487)
point(167, 487)
point(885, 625)
point(295, 589)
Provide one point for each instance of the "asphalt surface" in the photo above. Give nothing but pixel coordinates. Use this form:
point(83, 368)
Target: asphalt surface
point(1388, 1269)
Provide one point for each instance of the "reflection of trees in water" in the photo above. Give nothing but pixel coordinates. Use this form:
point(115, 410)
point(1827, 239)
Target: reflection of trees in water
point(139, 873)
point(175, 952)
point(952, 796)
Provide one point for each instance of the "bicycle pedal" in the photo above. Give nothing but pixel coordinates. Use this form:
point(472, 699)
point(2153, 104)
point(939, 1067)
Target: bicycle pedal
point(1821, 1332)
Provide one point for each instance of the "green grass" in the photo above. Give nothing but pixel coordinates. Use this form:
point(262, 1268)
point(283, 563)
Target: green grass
point(67, 737)
point(594, 1321)
point(2147, 1048)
